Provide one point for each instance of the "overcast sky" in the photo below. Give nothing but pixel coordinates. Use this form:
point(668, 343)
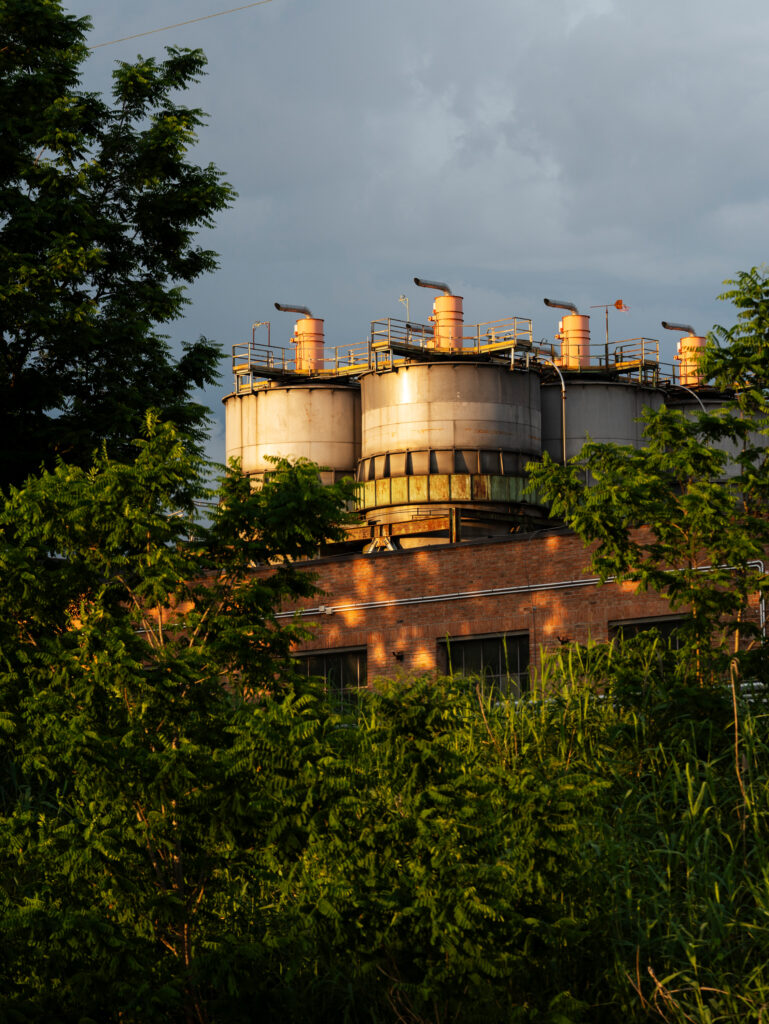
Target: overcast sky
point(586, 150)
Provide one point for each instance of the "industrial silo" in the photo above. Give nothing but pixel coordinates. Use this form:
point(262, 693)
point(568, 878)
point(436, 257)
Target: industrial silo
point(287, 406)
point(448, 429)
point(599, 398)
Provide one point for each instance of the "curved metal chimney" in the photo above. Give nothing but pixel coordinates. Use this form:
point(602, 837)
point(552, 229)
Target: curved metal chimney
point(688, 354)
point(574, 335)
point(308, 338)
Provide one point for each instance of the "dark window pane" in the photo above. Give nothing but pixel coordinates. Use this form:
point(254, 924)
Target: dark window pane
point(343, 672)
point(471, 656)
point(500, 662)
point(315, 665)
point(668, 629)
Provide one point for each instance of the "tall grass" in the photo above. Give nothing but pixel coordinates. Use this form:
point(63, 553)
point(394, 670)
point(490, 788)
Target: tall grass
point(585, 854)
point(676, 878)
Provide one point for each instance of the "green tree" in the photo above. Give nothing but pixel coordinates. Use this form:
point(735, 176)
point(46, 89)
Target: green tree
point(685, 515)
point(737, 357)
point(99, 207)
point(132, 642)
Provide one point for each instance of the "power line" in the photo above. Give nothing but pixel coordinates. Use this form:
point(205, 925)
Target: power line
point(165, 28)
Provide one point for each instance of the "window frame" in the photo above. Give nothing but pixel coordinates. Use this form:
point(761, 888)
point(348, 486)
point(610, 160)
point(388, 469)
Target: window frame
point(503, 682)
point(342, 693)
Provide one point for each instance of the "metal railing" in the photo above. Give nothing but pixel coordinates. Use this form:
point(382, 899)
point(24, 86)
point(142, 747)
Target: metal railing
point(252, 361)
point(636, 359)
point(392, 331)
point(495, 335)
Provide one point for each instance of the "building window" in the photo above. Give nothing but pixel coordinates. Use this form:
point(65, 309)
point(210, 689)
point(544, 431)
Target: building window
point(499, 660)
point(668, 627)
point(343, 671)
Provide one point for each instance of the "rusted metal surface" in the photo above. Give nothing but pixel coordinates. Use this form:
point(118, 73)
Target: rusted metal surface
point(418, 489)
point(440, 488)
point(481, 488)
point(308, 338)
point(461, 487)
point(399, 490)
point(382, 492)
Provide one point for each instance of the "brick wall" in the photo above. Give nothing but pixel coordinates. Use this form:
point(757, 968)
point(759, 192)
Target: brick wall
point(405, 602)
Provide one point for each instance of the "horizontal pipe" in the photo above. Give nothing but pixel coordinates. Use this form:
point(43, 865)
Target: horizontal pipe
point(458, 595)
point(293, 309)
point(463, 595)
point(679, 327)
point(439, 286)
point(558, 304)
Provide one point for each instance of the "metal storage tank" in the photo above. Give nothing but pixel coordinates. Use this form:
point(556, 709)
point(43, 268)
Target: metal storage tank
point(317, 421)
point(446, 433)
point(605, 410)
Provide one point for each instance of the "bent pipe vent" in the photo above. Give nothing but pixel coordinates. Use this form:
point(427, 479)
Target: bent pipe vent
point(293, 309)
point(557, 304)
point(679, 327)
point(439, 286)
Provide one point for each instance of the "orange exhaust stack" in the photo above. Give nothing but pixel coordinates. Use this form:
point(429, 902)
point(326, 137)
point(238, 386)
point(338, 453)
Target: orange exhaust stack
point(308, 338)
point(574, 336)
point(447, 316)
point(688, 355)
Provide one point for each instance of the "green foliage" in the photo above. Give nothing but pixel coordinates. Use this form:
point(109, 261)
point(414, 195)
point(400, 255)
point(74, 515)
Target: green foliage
point(437, 882)
point(568, 858)
point(188, 833)
point(130, 637)
point(738, 356)
point(99, 208)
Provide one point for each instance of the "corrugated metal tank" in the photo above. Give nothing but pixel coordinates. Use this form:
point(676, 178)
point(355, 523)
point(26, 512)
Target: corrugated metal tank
point(320, 422)
point(605, 410)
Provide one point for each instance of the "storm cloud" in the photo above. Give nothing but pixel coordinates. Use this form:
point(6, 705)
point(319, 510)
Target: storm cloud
point(585, 149)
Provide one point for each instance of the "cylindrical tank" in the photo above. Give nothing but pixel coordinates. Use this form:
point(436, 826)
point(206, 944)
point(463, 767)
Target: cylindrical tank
point(604, 410)
point(448, 318)
point(320, 422)
point(574, 333)
point(688, 355)
point(446, 434)
point(308, 338)
point(456, 406)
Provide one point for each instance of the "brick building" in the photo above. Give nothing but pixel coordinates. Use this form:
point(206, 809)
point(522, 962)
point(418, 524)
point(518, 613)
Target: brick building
point(489, 606)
